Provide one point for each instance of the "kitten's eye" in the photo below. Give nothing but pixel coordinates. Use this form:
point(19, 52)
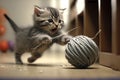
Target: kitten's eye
point(50, 20)
point(60, 21)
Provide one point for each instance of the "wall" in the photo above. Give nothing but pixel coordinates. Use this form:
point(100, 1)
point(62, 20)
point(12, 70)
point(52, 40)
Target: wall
point(20, 11)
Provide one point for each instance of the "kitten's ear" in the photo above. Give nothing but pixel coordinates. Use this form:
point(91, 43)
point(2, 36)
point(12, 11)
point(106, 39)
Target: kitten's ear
point(62, 10)
point(38, 10)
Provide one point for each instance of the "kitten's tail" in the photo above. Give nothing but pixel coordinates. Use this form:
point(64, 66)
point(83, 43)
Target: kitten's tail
point(12, 23)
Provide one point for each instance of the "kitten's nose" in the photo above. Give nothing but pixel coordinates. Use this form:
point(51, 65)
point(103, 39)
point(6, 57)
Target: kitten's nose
point(56, 26)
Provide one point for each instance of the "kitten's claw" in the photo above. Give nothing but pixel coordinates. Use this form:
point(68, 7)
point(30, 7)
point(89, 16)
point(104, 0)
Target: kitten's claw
point(66, 39)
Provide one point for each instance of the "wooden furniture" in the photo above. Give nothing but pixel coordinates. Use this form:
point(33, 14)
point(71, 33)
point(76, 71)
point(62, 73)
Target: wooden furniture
point(104, 15)
point(109, 14)
point(91, 26)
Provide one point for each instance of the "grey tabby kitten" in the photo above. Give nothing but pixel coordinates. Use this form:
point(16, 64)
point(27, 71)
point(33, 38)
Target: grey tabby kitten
point(36, 39)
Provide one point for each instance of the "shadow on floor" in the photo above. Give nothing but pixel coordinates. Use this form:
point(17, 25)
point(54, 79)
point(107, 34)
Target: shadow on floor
point(53, 65)
point(37, 65)
point(71, 67)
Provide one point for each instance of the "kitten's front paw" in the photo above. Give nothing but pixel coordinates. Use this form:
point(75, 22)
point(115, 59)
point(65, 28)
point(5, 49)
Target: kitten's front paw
point(66, 39)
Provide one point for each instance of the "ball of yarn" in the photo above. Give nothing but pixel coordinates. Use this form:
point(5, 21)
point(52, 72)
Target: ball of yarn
point(81, 51)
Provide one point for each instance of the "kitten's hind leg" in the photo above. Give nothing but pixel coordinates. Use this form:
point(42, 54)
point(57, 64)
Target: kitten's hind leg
point(34, 57)
point(18, 58)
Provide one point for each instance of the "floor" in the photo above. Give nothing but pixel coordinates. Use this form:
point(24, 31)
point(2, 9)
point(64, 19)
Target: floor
point(51, 67)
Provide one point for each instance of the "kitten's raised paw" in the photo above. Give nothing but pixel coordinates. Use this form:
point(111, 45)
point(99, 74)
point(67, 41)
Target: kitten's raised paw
point(66, 39)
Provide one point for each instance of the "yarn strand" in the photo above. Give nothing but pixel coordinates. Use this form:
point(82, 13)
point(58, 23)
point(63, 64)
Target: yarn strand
point(66, 32)
point(96, 34)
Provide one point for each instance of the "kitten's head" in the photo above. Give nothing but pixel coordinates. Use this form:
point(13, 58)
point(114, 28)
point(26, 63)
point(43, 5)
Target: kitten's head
point(49, 19)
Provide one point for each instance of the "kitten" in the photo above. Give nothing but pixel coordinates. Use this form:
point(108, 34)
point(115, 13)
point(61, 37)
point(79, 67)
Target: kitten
point(36, 39)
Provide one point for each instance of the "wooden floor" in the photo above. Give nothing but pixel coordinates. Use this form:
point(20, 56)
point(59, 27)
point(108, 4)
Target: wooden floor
point(51, 67)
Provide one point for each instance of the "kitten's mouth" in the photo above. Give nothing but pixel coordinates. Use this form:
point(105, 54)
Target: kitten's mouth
point(54, 30)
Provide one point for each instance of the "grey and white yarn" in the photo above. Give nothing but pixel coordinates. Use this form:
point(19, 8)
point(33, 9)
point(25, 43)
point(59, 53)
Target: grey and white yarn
point(81, 51)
